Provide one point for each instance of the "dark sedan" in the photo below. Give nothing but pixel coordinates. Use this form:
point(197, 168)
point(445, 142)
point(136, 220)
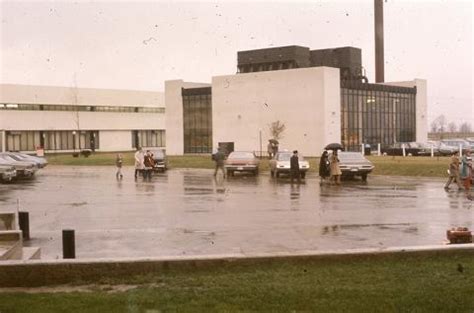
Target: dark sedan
point(411, 148)
point(161, 161)
point(354, 164)
point(241, 161)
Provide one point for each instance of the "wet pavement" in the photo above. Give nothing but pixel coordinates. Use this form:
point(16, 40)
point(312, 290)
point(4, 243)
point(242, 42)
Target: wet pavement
point(188, 212)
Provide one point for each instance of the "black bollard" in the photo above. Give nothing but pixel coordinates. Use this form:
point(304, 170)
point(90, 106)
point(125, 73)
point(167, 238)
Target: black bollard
point(24, 222)
point(69, 244)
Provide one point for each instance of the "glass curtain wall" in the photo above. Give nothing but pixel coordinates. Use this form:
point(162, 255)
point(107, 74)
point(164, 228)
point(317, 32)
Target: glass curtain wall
point(148, 138)
point(51, 140)
point(373, 114)
point(197, 120)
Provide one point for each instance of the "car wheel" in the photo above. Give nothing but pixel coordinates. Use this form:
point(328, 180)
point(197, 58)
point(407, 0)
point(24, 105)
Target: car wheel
point(277, 175)
point(303, 175)
point(364, 177)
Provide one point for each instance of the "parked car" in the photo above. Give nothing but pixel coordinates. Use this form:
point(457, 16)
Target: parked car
point(40, 162)
point(280, 164)
point(425, 148)
point(7, 173)
point(161, 161)
point(471, 142)
point(411, 148)
point(445, 150)
point(354, 164)
point(455, 143)
point(23, 169)
point(241, 161)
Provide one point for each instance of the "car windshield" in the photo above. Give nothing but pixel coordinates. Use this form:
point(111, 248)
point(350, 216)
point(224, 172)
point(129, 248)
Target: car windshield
point(158, 153)
point(241, 155)
point(414, 145)
point(7, 158)
point(351, 156)
point(15, 157)
point(456, 143)
point(287, 156)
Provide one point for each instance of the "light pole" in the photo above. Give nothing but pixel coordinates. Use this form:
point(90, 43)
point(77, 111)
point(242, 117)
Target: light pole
point(74, 140)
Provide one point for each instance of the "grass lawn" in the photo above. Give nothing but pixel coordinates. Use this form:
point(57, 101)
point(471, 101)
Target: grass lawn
point(390, 283)
point(387, 165)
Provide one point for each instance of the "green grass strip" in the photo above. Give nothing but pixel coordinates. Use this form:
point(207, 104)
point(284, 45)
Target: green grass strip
point(437, 282)
point(384, 165)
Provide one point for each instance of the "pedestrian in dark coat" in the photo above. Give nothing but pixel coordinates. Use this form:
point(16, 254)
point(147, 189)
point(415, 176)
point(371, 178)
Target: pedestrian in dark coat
point(324, 171)
point(219, 158)
point(295, 167)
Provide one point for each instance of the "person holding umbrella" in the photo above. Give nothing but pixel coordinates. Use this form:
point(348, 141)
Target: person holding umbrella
point(272, 147)
point(334, 167)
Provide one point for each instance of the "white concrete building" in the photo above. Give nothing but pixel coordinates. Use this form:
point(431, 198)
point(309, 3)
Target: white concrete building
point(67, 119)
point(320, 96)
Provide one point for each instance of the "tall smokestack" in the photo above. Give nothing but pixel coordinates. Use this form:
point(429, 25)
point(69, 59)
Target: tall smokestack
point(378, 24)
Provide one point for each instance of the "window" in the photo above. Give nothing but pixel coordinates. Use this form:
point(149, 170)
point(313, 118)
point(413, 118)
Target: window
point(197, 120)
point(148, 138)
point(79, 108)
point(375, 114)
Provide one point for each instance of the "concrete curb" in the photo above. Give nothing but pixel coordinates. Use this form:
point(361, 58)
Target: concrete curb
point(34, 273)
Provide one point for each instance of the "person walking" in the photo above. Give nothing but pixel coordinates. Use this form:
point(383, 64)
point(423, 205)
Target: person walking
point(466, 173)
point(335, 170)
point(270, 150)
point(148, 163)
point(139, 158)
point(454, 171)
point(295, 167)
point(119, 163)
point(219, 158)
point(324, 171)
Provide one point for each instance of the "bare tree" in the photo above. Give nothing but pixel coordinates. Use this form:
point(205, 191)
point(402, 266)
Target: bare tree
point(276, 129)
point(439, 124)
point(452, 127)
point(465, 128)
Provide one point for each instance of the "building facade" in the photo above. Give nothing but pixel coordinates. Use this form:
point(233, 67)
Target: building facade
point(320, 96)
point(68, 119)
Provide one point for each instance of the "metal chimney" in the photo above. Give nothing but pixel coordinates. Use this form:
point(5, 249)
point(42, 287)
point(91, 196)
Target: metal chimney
point(379, 57)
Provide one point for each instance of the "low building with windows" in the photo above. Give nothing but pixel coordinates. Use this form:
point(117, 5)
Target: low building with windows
point(64, 119)
point(320, 96)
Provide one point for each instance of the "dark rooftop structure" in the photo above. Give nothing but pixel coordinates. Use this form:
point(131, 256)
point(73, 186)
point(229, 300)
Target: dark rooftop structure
point(347, 59)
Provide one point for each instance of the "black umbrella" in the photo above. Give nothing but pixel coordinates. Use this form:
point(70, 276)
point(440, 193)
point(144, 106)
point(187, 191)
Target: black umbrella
point(273, 141)
point(334, 146)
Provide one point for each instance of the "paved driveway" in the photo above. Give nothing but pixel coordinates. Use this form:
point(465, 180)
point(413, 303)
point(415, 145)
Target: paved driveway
point(188, 212)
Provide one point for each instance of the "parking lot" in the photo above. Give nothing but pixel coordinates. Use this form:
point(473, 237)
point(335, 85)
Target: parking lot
point(188, 212)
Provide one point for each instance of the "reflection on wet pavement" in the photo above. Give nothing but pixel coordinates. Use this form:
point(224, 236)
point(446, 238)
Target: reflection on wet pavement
point(189, 212)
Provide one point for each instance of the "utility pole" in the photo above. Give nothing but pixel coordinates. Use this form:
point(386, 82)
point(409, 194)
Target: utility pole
point(379, 53)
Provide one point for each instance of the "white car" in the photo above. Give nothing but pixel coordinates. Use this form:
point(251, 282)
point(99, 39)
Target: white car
point(281, 164)
point(7, 173)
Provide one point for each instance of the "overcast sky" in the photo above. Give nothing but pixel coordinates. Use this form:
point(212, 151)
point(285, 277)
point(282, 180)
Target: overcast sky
point(139, 45)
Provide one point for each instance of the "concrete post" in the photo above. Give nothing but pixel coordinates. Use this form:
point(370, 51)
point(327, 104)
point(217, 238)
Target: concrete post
point(69, 244)
point(24, 223)
point(379, 153)
point(460, 149)
point(362, 149)
point(432, 150)
point(2, 140)
point(403, 149)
